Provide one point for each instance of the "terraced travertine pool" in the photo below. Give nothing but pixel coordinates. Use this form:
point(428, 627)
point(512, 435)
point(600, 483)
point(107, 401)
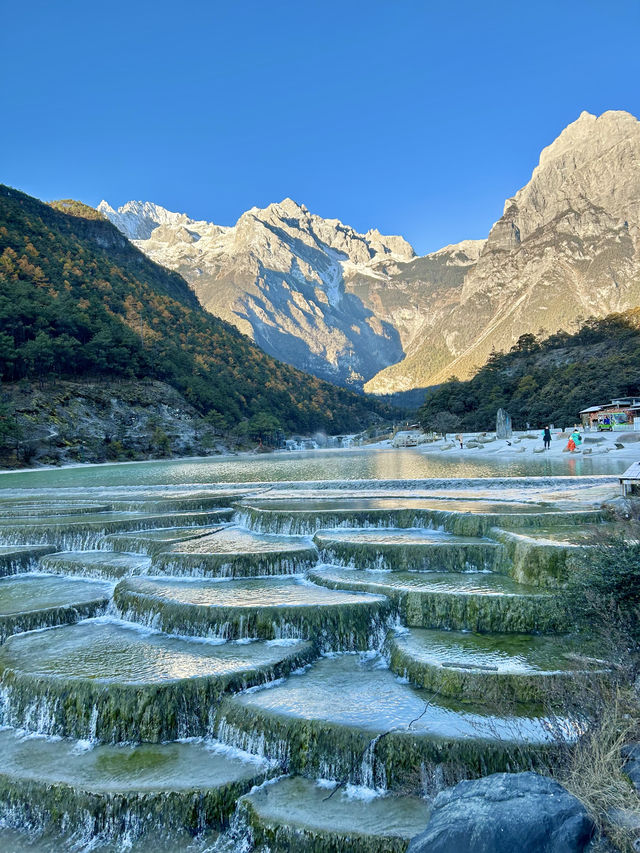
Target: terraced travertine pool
point(197, 667)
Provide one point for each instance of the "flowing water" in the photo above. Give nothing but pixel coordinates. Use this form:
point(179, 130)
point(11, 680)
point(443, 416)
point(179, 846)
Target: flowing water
point(316, 820)
point(29, 601)
point(119, 652)
point(236, 540)
point(241, 594)
point(25, 593)
point(289, 652)
point(365, 504)
point(519, 653)
point(390, 536)
point(353, 691)
point(99, 564)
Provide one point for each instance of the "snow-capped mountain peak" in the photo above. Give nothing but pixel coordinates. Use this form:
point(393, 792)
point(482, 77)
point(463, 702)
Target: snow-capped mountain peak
point(279, 275)
point(345, 304)
point(137, 220)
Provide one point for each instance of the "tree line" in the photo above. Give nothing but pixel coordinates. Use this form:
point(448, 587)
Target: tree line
point(544, 381)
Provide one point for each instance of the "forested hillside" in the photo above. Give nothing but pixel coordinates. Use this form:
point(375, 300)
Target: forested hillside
point(546, 381)
point(77, 299)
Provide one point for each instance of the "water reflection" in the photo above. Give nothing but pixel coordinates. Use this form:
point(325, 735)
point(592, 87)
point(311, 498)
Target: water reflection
point(252, 592)
point(453, 583)
point(30, 592)
point(319, 465)
point(146, 767)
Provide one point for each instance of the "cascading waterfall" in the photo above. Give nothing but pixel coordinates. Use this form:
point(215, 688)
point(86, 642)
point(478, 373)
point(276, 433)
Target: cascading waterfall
point(187, 667)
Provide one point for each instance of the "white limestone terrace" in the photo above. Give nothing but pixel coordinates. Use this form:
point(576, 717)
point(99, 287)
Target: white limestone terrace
point(190, 691)
point(547, 487)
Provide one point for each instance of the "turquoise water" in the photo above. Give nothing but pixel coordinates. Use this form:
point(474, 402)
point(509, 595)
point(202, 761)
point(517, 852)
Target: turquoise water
point(112, 683)
point(114, 651)
point(319, 465)
point(359, 692)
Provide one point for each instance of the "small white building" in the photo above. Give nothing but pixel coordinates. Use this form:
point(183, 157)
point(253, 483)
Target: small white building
point(407, 438)
point(617, 414)
point(630, 480)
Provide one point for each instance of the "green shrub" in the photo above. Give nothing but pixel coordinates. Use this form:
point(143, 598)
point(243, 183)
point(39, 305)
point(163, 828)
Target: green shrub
point(603, 596)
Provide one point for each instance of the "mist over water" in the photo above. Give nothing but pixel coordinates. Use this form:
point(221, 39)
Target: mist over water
point(359, 464)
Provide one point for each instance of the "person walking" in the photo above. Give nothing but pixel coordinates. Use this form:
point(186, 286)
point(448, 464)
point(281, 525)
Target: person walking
point(546, 438)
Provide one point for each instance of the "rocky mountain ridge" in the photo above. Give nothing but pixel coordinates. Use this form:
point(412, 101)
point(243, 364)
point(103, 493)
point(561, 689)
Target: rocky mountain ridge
point(566, 248)
point(364, 310)
point(279, 275)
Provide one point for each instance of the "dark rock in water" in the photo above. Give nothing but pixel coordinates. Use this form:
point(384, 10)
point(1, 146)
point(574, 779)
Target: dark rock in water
point(503, 424)
point(503, 813)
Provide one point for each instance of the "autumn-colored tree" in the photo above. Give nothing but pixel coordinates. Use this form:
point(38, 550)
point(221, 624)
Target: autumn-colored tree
point(78, 299)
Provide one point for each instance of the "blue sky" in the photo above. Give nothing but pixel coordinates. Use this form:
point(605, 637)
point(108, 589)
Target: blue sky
point(416, 118)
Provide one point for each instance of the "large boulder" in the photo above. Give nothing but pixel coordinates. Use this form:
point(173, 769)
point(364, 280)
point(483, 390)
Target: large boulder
point(632, 766)
point(505, 813)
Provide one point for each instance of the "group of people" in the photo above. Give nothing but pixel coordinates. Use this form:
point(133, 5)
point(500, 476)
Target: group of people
point(574, 443)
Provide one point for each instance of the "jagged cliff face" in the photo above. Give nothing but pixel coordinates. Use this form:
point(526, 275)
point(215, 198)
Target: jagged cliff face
point(280, 275)
point(567, 247)
point(363, 309)
point(407, 293)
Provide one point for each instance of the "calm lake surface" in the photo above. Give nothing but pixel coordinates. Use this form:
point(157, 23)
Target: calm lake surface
point(359, 464)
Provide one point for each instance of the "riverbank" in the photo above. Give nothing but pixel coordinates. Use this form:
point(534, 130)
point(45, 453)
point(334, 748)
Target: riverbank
point(524, 445)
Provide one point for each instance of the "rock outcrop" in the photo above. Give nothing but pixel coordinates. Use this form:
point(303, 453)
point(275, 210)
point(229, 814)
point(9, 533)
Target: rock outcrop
point(503, 813)
point(96, 420)
point(632, 766)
